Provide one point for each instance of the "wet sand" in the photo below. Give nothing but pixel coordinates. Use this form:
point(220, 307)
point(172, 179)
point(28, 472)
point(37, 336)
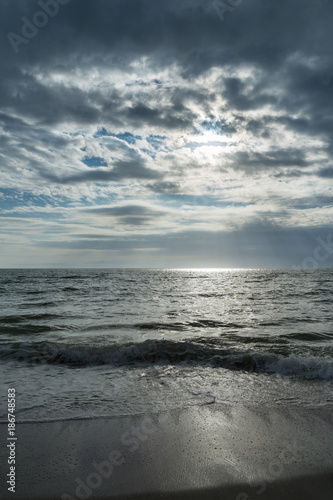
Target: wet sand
point(238, 452)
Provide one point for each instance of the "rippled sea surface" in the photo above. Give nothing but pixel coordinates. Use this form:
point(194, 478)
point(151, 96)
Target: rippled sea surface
point(92, 343)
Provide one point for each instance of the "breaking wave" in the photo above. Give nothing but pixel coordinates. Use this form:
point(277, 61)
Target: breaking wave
point(172, 353)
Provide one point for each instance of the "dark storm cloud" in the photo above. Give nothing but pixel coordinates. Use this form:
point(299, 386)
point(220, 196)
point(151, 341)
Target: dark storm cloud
point(23, 130)
point(307, 92)
point(310, 85)
point(108, 34)
point(99, 32)
point(171, 118)
point(180, 27)
point(235, 91)
point(52, 104)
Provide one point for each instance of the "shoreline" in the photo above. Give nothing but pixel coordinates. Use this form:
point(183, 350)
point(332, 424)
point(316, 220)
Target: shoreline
point(240, 452)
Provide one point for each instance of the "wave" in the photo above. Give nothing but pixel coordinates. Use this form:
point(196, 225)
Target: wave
point(200, 323)
point(169, 326)
point(30, 305)
point(27, 317)
point(26, 329)
point(169, 352)
point(308, 336)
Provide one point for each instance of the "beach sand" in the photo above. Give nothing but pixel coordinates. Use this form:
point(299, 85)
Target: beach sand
point(238, 452)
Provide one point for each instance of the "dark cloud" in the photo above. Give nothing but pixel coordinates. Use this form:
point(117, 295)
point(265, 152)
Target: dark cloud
point(165, 117)
point(123, 210)
point(239, 98)
point(326, 173)
point(274, 159)
point(133, 215)
point(122, 170)
point(186, 32)
point(164, 187)
point(263, 35)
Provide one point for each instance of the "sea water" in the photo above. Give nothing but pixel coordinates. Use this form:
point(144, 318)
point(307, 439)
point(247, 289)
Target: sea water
point(88, 343)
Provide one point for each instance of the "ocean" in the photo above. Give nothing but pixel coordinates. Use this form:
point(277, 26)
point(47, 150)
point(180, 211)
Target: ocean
point(93, 343)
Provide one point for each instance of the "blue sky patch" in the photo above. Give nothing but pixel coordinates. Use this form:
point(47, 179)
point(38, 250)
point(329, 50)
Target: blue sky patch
point(94, 161)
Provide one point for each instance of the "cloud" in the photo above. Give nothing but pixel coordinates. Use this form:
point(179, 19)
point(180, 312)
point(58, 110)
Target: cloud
point(133, 215)
point(122, 170)
point(156, 117)
point(270, 159)
point(326, 173)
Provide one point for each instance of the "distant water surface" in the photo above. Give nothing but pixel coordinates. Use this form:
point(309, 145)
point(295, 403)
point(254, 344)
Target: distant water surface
point(92, 343)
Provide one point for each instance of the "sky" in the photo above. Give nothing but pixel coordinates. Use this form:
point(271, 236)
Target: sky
point(179, 133)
